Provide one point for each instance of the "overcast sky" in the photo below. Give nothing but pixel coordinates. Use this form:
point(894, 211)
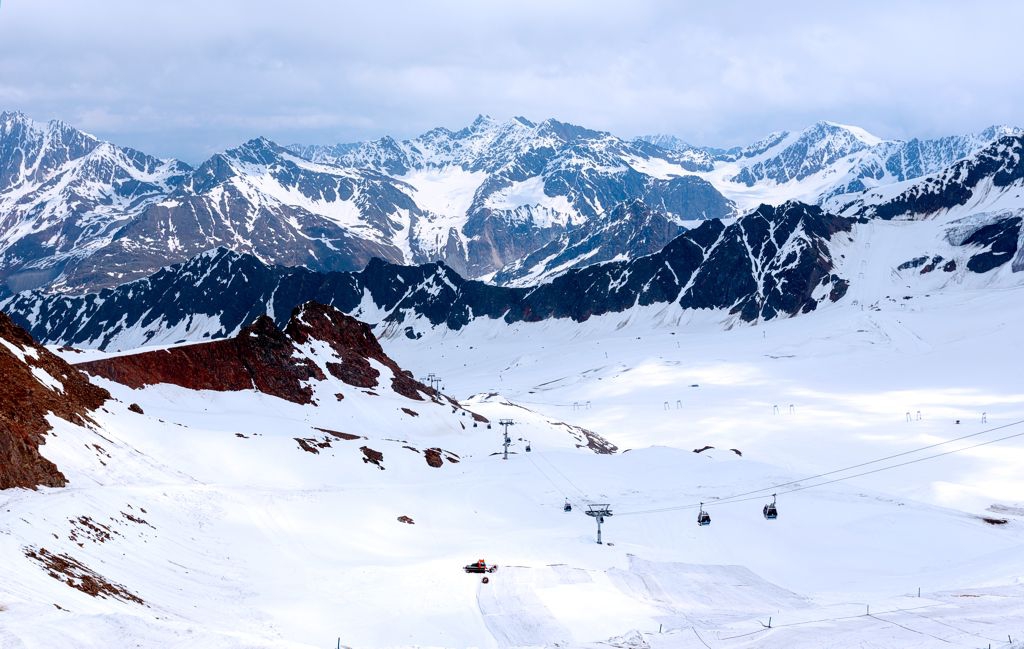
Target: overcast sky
point(187, 78)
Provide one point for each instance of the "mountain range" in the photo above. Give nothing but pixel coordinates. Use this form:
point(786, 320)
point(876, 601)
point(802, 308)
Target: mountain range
point(515, 203)
point(380, 361)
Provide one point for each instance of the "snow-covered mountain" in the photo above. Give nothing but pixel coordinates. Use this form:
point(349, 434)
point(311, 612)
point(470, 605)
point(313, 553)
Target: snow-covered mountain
point(515, 202)
point(79, 213)
point(64, 195)
point(991, 178)
point(776, 261)
point(827, 160)
point(630, 230)
point(507, 189)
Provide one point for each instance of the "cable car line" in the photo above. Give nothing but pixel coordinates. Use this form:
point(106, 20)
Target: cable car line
point(738, 498)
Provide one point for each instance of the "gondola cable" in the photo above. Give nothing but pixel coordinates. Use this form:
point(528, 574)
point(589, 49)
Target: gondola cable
point(739, 498)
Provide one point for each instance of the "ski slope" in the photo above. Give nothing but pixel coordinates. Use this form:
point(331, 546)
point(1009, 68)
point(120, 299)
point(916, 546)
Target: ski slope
point(248, 540)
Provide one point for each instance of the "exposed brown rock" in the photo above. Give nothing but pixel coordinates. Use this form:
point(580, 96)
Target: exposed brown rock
point(406, 520)
point(260, 357)
point(136, 519)
point(25, 401)
point(68, 570)
point(410, 412)
point(136, 408)
point(372, 457)
point(312, 445)
point(85, 527)
point(339, 434)
point(353, 341)
point(264, 358)
point(433, 456)
point(589, 439)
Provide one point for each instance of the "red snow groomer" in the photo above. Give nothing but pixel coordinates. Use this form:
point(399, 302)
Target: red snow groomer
point(480, 566)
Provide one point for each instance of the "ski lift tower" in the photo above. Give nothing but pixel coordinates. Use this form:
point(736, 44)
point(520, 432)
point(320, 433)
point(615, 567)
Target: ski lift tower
point(599, 512)
point(508, 440)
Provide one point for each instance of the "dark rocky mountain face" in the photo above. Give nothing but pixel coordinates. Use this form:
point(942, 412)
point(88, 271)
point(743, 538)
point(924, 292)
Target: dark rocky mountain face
point(995, 243)
point(36, 383)
point(630, 230)
point(771, 263)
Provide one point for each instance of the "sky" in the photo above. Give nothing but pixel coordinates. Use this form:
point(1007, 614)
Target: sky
point(188, 78)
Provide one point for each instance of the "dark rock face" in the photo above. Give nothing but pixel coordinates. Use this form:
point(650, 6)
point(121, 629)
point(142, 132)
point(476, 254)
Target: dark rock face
point(353, 341)
point(709, 267)
point(999, 240)
point(631, 230)
point(25, 401)
point(267, 359)
point(774, 262)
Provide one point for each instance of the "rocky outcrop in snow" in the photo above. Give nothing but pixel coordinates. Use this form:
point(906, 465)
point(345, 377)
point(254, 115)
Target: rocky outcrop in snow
point(281, 363)
point(36, 384)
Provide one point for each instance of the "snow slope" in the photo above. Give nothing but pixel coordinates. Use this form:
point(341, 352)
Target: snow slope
point(251, 541)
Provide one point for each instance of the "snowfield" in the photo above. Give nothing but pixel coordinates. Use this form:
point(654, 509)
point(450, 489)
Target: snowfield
point(208, 509)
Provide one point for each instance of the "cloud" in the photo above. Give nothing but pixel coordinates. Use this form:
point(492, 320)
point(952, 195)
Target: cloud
point(187, 78)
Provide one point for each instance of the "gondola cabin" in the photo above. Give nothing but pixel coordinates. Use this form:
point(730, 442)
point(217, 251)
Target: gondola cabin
point(703, 518)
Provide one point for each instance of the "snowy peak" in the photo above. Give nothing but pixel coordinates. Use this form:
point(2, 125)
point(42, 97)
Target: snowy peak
point(797, 156)
point(990, 179)
point(31, 152)
point(63, 194)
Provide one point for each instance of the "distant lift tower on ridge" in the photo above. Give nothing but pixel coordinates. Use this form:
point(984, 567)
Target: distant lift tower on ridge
point(599, 512)
point(508, 440)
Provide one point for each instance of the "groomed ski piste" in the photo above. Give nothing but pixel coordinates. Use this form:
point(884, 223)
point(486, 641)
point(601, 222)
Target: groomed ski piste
point(249, 540)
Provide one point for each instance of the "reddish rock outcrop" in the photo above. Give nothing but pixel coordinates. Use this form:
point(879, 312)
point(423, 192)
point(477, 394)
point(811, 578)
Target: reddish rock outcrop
point(267, 359)
point(70, 571)
point(34, 383)
point(370, 456)
point(353, 341)
point(260, 357)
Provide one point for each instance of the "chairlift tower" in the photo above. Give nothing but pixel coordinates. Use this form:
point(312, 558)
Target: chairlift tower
point(599, 512)
point(508, 440)
point(433, 380)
